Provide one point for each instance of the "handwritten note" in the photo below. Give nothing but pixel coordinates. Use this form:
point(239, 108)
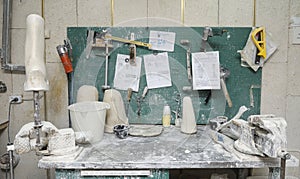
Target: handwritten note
point(163, 41)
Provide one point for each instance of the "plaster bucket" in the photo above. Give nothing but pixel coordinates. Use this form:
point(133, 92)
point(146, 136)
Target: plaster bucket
point(88, 119)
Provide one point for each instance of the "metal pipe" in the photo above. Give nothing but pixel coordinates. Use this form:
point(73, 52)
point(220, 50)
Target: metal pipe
point(37, 119)
point(106, 62)
point(106, 86)
point(6, 39)
point(6, 32)
point(11, 164)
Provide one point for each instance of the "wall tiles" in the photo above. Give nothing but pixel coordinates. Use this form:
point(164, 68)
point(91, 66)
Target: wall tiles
point(293, 54)
point(58, 16)
point(294, 8)
point(130, 13)
point(164, 13)
point(7, 79)
point(236, 13)
point(93, 13)
point(21, 9)
point(293, 73)
point(274, 15)
point(18, 46)
point(273, 95)
point(57, 96)
point(201, 13)
point(292, 117)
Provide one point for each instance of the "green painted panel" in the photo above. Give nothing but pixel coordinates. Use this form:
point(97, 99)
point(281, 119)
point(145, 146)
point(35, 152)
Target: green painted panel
point(89, 65)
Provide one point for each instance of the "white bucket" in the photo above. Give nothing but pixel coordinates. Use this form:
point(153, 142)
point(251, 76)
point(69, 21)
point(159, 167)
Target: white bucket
point(88, 118)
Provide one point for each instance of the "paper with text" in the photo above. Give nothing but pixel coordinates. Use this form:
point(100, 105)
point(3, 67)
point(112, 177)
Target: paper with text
point(206, 70)
point(163, 41)
point(127, 75)
point(157, 70)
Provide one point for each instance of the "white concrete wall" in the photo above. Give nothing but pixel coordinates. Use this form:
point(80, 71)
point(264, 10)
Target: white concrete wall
point(280, 87)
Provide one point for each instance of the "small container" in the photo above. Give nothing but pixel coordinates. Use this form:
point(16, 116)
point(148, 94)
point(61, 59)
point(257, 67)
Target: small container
point(215, 123)
point(88, 118)
point(166, 119)
point(121, 131)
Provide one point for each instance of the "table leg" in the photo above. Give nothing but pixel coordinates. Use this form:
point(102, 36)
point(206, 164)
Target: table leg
point(274, 173)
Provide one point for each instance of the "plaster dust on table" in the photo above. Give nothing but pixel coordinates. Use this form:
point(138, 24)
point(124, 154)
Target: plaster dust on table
point(168, 146)
point(164, 151)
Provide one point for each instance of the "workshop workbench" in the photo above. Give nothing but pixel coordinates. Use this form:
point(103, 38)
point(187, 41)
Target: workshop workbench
point(170, 150)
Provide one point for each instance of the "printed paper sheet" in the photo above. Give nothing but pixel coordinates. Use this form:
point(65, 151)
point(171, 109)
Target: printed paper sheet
point(127, 75)
point(206, 70)
point(157, 70)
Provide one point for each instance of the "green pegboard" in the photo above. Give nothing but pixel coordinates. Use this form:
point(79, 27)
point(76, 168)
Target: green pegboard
point(89, 69)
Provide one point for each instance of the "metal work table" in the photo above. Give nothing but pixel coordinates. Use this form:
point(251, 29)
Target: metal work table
point(170, 150)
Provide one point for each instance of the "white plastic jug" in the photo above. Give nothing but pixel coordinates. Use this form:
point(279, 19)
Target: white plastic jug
point(88, 118)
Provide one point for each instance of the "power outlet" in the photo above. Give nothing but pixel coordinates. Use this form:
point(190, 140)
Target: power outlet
point(17, 98)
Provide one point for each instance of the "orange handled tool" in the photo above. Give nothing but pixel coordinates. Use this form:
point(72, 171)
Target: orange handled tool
point(64, 57)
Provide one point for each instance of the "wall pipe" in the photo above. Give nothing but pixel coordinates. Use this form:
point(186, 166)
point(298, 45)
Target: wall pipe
point(6, 39)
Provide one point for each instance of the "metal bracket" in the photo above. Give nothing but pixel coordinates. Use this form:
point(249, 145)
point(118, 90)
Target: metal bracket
point(251, 94)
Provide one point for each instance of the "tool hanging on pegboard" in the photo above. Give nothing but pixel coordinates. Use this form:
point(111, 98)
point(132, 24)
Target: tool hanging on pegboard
point(65, 52)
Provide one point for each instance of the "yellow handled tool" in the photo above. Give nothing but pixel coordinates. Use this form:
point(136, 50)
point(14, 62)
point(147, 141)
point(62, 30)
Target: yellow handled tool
point(260, 42)
point(128, 41)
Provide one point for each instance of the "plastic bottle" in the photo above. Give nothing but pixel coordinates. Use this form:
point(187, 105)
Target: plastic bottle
point(166, 119)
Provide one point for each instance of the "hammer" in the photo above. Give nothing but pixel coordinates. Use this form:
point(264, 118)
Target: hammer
point(224, 73)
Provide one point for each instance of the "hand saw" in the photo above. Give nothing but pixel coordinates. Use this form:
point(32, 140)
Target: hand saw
point(258, 36)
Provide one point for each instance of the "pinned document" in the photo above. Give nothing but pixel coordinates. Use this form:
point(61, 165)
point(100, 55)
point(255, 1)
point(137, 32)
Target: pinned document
point(127, 75)
point(163, 41)
point(206, 70)
point(157, 70)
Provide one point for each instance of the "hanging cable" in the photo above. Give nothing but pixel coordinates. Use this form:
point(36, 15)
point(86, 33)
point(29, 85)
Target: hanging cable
point(10, 146)
point(8, 118)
